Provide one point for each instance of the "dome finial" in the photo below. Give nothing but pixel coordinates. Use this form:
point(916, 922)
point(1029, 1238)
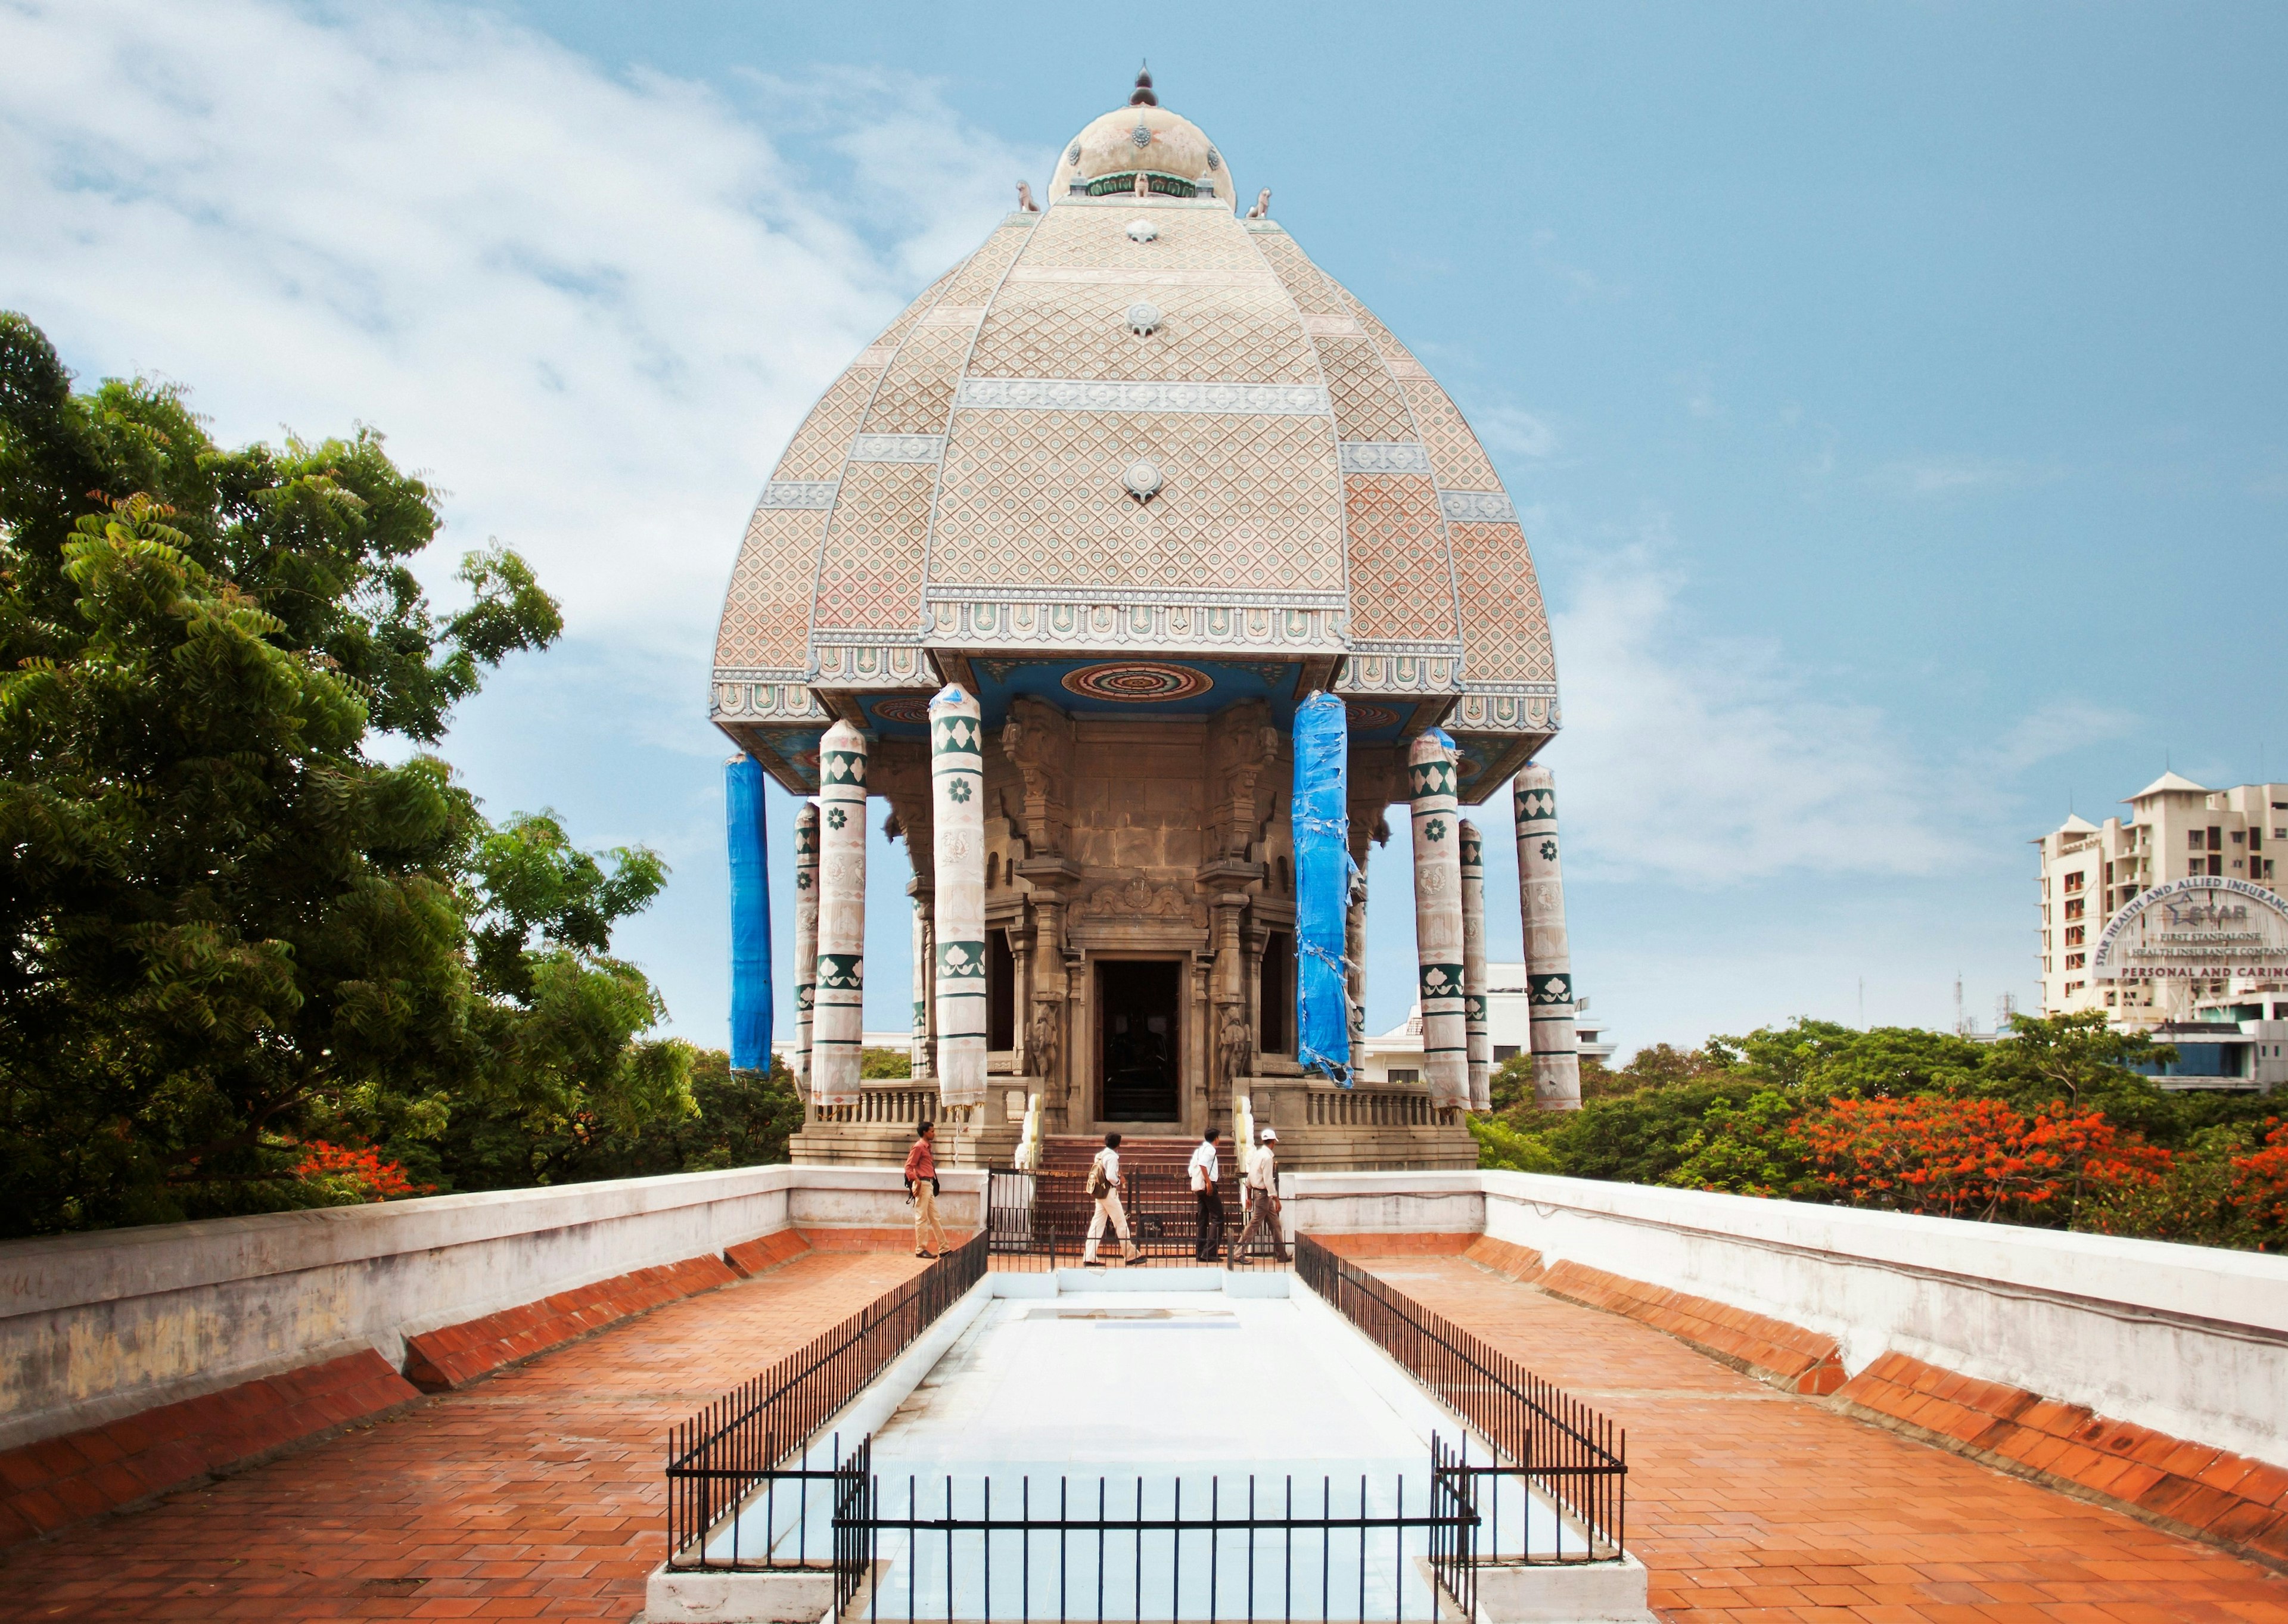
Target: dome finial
point(1143, 96)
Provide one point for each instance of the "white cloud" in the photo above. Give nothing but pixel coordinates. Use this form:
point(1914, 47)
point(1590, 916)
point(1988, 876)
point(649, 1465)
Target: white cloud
point(2057, 728)
point(1506, 428)
point(594, 305)
point(1949, 476)
point(1705, 761)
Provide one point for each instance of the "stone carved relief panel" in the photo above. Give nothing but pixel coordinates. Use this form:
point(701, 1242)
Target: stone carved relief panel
point(1038, 741)
point(899, 771)
point(1140, 900)
point(1243, 752)
point(1035, 498)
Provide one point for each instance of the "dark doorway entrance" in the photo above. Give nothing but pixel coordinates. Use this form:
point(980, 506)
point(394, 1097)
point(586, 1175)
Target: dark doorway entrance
point(1140, 1041)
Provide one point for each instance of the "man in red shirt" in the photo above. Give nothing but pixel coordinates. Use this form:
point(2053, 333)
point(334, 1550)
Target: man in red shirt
point(921, 1185)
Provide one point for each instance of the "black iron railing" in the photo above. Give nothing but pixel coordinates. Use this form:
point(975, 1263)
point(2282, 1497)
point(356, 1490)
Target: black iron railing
point(1140, 1548)
point(1561, 1445)
point(1041, 1220)
point(741, 1443)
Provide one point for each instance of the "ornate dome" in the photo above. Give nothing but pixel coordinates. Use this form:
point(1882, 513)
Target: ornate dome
point(1137, 425)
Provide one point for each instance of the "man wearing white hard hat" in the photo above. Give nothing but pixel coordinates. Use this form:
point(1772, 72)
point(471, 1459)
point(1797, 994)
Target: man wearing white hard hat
point(1259, 1189)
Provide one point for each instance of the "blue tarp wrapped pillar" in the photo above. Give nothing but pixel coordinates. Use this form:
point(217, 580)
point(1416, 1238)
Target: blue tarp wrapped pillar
point(750, 916)
point(1322, 885)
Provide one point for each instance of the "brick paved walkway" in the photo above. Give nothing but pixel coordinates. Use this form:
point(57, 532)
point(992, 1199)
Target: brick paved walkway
point(536, 1493)
point(1748, 1504)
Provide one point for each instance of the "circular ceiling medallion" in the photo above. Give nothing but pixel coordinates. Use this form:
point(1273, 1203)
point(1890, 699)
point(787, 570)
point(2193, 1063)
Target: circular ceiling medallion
point(1143, 317)
point(1136, 682)
point(909, 709)
point(1142, 231)
point(1366, 718)
point(1142, 479)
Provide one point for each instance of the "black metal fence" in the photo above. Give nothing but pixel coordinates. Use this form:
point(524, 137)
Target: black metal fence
point(740, 1443)
point(1134, 1549)
point(1041, 1220)
point(1568, 1451)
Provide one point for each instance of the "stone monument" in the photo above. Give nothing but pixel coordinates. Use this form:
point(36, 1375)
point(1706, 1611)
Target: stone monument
point(1049, 568)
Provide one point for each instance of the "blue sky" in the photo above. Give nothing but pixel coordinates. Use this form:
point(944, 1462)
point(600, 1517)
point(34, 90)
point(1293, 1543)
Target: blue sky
point(1894, 394)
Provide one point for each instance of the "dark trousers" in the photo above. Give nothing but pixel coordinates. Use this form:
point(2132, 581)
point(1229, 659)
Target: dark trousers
point(1211, 1225)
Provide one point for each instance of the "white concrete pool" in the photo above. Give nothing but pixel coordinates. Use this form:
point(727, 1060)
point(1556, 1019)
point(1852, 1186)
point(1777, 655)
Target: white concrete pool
point(1119, 1399)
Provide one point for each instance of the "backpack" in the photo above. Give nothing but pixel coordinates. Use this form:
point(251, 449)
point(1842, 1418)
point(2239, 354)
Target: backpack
point(1099, 1186)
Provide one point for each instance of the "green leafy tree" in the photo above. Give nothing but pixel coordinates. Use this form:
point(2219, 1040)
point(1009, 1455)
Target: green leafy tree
point(232, 929)
point(1500, 1145)
point(1750, 1149)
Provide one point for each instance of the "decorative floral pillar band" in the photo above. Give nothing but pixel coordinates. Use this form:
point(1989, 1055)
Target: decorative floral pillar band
point(1548, 960)
point(958, 806)
point(1473, 968)
point(1438, 920)
point(806, 943)
point(839, 1014)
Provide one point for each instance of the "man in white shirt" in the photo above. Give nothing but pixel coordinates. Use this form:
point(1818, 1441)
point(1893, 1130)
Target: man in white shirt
point(1206, 1170)
point(1260, 1189)
point(1103, 1187)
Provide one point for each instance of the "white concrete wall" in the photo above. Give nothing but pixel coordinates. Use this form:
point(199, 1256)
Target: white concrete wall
point(2191, 1341)
point(99, 1326)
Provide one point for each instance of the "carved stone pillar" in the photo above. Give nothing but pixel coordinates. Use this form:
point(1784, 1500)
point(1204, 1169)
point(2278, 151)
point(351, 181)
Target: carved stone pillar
point(838, 1019)
point(1473, 969)
point(1438, 922)
point(1051, 1036)
point(957, 804)
point(1021, 949)
point(1354, 956)
point(925, 1045)
point(806, 943)
point(1548, 957)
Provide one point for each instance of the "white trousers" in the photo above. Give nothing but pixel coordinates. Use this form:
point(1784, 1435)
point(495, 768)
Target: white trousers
point(1107, 1211)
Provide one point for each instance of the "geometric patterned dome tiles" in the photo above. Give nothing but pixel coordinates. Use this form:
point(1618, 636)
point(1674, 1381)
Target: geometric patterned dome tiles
point(964, 481)
point(1035, 497)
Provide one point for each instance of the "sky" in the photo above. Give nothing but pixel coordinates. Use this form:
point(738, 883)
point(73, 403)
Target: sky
point(1894, 394)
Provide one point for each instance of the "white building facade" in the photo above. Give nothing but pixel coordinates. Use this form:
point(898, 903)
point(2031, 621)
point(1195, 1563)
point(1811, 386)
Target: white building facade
point(2191, 875)
point(1395, 1057)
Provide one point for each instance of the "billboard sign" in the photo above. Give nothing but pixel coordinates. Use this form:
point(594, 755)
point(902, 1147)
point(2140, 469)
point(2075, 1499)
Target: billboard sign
point(2203, 929)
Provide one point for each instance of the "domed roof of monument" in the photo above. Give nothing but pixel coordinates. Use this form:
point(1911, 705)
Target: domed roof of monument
point(1138, 423)
point(1143, 136)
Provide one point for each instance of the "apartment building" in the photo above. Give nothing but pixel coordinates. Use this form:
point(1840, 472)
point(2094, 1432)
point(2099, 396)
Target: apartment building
point(2220, 977)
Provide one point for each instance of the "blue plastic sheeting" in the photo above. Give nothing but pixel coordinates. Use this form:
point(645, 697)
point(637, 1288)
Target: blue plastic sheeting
point(750, 916)
point(1323, 885)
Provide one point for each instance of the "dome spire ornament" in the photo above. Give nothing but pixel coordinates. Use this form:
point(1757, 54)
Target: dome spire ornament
point(1142, 96)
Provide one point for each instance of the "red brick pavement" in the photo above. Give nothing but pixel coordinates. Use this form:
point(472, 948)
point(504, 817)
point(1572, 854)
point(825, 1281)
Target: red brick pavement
point(1752, 1504)
point(535, 1493)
